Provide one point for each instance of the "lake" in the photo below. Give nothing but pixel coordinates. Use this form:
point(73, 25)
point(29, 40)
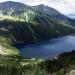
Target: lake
point(49, 49)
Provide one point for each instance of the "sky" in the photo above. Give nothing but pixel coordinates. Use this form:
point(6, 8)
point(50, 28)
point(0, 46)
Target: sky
point(64, 6)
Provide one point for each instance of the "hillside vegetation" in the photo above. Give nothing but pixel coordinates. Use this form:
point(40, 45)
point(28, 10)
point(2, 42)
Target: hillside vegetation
point(64, 64)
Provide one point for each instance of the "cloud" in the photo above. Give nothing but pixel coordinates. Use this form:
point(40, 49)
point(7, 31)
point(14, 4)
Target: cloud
point(35, 2)
point(64, 6)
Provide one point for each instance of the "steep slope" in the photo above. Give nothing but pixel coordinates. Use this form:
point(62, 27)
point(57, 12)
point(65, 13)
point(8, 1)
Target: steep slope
point(27, 24)
point(53, 14)
point(32, 23)
point(48, 11)
point(32, 31)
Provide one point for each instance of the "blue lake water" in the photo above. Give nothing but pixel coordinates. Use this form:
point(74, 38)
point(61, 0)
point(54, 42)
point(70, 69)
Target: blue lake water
point(49, 49)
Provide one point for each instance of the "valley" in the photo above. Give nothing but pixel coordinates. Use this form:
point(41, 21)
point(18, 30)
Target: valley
point(35, 40)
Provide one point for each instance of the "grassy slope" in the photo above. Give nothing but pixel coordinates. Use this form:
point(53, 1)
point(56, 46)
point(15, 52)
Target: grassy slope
point(8, 50)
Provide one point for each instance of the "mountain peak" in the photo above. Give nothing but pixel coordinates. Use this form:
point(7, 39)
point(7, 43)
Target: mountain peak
point(5, 6)
point(41, 5)
point(10, 2)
